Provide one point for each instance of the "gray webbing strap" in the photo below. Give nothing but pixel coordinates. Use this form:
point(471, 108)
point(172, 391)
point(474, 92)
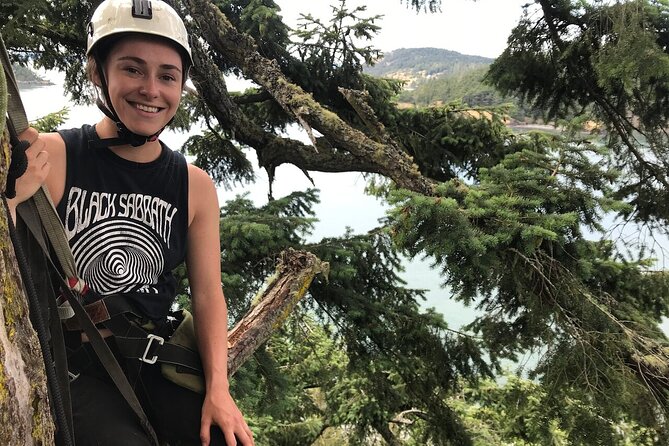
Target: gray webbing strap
point(47, 213)
point(14, 105)
point(55, 231)
point(28, 213)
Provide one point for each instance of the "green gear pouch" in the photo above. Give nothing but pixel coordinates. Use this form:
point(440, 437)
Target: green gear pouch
point(184, 336)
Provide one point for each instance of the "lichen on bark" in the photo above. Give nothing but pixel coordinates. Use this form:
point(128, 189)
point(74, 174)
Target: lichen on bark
point(281, 292)
point(25, 416)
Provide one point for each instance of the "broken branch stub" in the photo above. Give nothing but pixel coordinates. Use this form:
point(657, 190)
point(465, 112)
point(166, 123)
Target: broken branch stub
point(280, 294)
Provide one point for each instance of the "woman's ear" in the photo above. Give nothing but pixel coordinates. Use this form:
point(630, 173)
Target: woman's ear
point(95, 77)
point(92, 71)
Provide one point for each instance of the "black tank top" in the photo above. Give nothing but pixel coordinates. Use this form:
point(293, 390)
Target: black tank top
point(126, 222)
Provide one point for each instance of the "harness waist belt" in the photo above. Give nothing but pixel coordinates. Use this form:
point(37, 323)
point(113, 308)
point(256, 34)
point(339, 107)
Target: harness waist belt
point(102, 310)
point(115, 313)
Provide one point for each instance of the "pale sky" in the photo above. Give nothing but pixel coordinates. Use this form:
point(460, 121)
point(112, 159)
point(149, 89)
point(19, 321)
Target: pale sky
point(470, 27)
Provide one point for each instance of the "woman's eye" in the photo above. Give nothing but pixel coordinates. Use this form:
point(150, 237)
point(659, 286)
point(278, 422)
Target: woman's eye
point(169, 78)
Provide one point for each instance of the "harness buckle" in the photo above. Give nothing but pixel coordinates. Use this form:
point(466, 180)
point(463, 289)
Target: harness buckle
point(72, 375)
point(151, 337)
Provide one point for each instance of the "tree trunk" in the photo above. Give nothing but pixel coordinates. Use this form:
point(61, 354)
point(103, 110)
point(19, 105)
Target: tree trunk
point(25, 418)
point(274, 303)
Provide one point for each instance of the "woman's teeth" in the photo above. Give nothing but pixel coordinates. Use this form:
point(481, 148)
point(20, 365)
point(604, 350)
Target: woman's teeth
point(146, 108)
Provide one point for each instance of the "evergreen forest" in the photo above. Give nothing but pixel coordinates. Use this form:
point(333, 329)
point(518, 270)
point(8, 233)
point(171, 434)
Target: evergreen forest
point(555, 238)
point(434, 77)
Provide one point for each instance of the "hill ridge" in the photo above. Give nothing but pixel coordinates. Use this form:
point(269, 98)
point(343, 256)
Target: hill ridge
point(415, 64)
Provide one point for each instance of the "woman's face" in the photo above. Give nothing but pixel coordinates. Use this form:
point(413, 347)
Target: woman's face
point(144, 78)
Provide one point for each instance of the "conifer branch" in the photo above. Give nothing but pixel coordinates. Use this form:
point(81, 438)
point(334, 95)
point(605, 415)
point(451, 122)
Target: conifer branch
point(272, 150)
point(640, 354)
point(252, 98)
point(620, 122)
point(240, 49)
point(359, 102)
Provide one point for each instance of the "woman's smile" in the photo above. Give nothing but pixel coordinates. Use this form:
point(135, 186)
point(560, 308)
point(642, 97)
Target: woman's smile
point(147, 108)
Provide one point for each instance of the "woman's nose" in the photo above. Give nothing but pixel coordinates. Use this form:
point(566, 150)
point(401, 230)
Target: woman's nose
point(149, 88)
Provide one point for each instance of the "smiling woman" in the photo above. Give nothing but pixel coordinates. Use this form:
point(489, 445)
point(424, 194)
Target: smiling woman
point(134, 210)
point(155, 71)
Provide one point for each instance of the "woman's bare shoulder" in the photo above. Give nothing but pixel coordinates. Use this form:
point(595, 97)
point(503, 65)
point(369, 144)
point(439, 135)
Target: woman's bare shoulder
point(198, 176)
point(55, 182)
point(54, 143)
point(201, 192)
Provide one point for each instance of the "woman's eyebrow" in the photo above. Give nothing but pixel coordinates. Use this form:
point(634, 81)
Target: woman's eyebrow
point(141, 61)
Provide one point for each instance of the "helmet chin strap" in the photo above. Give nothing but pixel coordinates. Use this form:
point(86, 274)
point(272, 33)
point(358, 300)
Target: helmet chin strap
point(125, 136)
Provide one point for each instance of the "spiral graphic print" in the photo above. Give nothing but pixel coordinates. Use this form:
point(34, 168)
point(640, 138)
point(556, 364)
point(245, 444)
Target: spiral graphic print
point(118, 256)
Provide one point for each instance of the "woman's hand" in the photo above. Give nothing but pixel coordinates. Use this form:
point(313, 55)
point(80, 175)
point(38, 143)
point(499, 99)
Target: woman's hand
point(36, 172)
point(220, 409)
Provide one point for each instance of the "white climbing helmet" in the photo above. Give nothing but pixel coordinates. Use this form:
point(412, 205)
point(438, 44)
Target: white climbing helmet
point(153, 17)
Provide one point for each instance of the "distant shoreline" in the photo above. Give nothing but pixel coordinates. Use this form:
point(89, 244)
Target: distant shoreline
point(25, 85)
point(524, 128)
point(27, 78)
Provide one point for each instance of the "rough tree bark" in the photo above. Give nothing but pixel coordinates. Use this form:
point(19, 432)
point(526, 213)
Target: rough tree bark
point(25, 418)
point(271, 149)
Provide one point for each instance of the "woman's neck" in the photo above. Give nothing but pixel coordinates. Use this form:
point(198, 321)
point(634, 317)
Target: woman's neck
point(145, 153)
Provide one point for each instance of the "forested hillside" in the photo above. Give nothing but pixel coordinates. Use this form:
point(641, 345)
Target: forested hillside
point(431, 61)
point(466, 85)
point(435, 76)
point(417, 64)
point(28, 78)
